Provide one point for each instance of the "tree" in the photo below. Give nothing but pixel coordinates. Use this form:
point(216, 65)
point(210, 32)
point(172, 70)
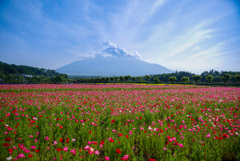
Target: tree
point(133, 79)
point(106, 79)
point(156, 80)
point(112, 79)
point(237, 77)
point(225, 78)
point(127, 77)
point(116, 79)
point(185, 79)
point(121, 78)
point(147, 77)
point(57, 79)
point(197, 78)
point(172, 79)
point(209, 78)
point(139, 79)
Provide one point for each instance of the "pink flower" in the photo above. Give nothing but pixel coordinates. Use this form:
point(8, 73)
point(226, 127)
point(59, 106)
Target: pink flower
point(73, 151)
point(21, 155)
point(107, 158)
point(164, 148)
point(73, 139)
point(113, 130)
point(96, 152)
point(111, 140)
point(65, 148)
point(55, 142)
point(30, 136)
point(33, 147)
point(208, 135)
point(180, 145)
point(125, 157)
point(181, 137)
point(86, 147)
point(47, 138)
point(91, 150)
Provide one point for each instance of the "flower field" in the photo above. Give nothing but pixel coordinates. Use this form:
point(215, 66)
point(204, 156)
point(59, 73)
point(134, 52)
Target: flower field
point(119, 122)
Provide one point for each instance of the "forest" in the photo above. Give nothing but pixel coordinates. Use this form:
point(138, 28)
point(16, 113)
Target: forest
point(21, 74)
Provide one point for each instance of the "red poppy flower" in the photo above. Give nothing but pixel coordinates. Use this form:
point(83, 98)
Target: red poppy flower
point(127, 136)
point(102, 142)
point(151, 160)
point(61, 127)
point(8, 139)
point(120, 134)
point(118, 151)
point(30, 155)
point(37, 151)
point(113, 120)
point(90, 132)
point(111, 140)
point(10, 150)
point(61, 140)
point(6, 145)
point(140, 117)
point(59, 149)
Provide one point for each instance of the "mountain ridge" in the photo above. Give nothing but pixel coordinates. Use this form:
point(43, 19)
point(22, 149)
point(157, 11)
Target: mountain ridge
point(113, 62)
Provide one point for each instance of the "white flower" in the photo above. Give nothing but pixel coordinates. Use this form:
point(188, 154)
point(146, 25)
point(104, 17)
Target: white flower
point(9, 158)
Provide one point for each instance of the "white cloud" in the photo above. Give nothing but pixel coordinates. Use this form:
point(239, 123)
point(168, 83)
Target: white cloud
point(196, 48)
point(109, 44)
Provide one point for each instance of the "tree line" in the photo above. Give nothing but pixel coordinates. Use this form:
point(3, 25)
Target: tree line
point(15, 74)
point(232, 78)
point(24, 74)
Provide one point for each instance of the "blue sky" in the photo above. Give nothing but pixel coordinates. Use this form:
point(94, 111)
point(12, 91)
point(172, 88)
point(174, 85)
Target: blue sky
point(189, 35)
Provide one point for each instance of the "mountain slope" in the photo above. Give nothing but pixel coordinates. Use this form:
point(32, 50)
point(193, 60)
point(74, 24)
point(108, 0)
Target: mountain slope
point(112, 62)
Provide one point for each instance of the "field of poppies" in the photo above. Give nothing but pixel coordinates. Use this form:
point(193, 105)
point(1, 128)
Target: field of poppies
point(119, 122)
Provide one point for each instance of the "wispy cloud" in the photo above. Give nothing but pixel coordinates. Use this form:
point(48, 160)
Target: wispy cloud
point(165, 32)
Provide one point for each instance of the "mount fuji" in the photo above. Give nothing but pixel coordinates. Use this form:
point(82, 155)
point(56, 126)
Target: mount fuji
point(112, 62)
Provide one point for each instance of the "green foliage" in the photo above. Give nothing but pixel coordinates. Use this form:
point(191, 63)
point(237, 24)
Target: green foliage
point(209, 78)
point(237, 77)
point(185, 79)
point(25, 74)
point(121, 78)
point(156, 80)
point(172, 79)
point(116, 79)
point(127, 77)
point(225, 78)
point(147, 77)
point(197, 78)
